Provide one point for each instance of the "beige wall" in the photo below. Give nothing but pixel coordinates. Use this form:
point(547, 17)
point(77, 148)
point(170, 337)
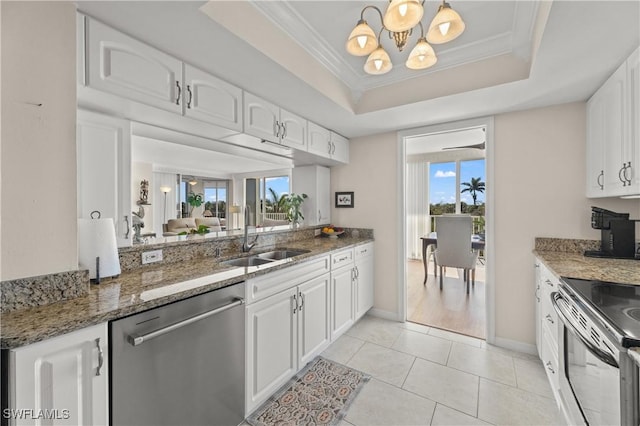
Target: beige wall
point(538, 188)
point(372, 175)
point(38, 227)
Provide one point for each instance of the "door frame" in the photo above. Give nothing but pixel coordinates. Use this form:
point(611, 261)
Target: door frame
point(487, 122)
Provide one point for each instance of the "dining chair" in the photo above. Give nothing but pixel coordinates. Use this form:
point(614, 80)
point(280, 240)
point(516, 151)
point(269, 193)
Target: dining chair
point(454, 246)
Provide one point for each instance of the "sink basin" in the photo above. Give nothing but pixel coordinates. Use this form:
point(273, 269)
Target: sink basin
point(247, 261)
point(281, 254)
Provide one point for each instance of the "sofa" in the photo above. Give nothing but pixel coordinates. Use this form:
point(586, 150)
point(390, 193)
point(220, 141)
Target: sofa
point(177, 226)
point(213, 223)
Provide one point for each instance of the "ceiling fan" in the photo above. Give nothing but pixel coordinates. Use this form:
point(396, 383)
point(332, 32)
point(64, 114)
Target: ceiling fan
point(474, 146)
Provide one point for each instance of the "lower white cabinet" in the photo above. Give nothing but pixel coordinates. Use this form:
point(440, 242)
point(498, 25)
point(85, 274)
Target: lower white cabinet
point(342, 300)
point(363, 279)
point(284, 332)
point(63, 380)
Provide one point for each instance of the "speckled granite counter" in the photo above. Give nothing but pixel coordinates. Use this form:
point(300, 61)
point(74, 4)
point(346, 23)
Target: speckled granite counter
point(142, 289)
point(565, 258)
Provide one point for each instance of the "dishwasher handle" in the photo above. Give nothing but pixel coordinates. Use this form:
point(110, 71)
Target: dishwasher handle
point(138, 340)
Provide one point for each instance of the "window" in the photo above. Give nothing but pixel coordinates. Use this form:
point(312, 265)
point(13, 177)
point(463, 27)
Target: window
point(271, 197)
point(442, 188)
point(215, 198)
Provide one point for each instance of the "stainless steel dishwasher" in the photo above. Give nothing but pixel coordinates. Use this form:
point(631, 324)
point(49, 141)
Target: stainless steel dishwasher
point(181, 363)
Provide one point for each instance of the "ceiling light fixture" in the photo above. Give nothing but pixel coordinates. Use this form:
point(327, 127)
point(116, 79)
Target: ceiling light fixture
point(400, 19)
point(193, 181)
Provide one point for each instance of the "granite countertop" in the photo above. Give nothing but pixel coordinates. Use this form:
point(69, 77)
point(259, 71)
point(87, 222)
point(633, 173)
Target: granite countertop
point(576, 265)
point(142, 289)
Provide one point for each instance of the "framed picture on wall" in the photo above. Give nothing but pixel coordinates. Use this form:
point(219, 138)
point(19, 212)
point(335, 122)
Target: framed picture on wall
point(344, 199)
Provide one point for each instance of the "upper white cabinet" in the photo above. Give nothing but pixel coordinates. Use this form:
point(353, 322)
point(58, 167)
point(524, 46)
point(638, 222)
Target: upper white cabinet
point(119, 64)
point(65, 375)
point(104, 170)
point(268, 121)
point(613, 140)
point(210, 99)
point(123, 66)
point(314, 181)
point(327, 144)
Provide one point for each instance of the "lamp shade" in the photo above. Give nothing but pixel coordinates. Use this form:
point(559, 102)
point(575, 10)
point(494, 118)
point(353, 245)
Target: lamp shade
point(402, 15)
point(422, 56)
point(446, 25)
point(97, 238)
point(362, 40)
point(378, 62)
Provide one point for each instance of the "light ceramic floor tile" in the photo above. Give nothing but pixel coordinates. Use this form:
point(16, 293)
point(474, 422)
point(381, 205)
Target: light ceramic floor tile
point(375, 330)
point(343, 349)
point(343, 422)
point(379, 403)
point(472, 341)
point(420, 328)
point(531, 376)
point(445, 416)
point(514, 354)
point(423, 346)
point(382, 363)
point(483, 363)
point(448, 386)
point(504, 405)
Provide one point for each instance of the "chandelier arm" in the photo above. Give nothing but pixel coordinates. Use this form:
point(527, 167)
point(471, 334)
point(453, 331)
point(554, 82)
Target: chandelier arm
point(421, 28)
point(372, 7)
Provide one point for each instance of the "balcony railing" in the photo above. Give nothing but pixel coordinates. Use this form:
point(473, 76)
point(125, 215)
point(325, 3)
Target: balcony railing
point(274, 216)
point(478, 224)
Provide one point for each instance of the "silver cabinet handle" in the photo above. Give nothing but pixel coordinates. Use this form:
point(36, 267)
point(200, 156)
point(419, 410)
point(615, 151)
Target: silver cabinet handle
point(126, 220)
point(301, 297)
point(319, 215)
point(357, 272)
point(179, 92)
point(329, 145)
point(601, 175)
point(295, 303)
point(537, 290)
point(549, 283)
point(284, 130)
point(550, 367)
point(548, 318)
point(276, 128)
point(620, 172)
point(100, 357)
point(138, 340)
point(624, 174)
point(190, 96)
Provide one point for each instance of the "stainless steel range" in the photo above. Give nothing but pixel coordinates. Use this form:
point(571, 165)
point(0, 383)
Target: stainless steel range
point(599, 381)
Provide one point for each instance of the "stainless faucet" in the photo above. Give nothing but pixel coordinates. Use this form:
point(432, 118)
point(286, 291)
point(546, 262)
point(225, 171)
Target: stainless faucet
point(245, 244)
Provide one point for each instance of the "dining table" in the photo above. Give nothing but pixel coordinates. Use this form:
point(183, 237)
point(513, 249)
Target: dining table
point(432, 240)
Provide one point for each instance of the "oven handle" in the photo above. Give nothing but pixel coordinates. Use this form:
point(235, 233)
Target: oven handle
point(558, 304)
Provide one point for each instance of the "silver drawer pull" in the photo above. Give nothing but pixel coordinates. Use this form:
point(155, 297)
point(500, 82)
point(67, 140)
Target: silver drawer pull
point(550, 367)
point(549, 283)
point(548, 317)
point(100, 357)
point(138, 340)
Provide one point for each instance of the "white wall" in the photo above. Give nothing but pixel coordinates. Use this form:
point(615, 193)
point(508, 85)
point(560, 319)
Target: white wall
point(39, 227)
point(372, 176)
point(539, 192)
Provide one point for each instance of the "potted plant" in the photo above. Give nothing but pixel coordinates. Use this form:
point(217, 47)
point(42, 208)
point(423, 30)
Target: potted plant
point(293, 205)
point(194, 200)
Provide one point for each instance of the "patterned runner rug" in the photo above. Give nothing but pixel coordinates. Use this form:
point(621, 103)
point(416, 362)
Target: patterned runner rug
point(320, 394)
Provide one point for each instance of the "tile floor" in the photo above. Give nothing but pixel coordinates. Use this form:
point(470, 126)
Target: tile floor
point(426, 376)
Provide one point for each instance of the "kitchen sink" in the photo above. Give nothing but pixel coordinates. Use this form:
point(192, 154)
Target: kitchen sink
point(247, 261)
point(282, 254)
point(262, 258)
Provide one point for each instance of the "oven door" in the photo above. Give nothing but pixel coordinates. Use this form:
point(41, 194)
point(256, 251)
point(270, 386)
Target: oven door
point(589, 367)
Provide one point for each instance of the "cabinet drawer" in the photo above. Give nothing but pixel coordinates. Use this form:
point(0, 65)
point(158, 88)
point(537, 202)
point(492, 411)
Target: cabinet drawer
point(341, 258)
point(274, 282)
point(549, 319)
point(363, 251)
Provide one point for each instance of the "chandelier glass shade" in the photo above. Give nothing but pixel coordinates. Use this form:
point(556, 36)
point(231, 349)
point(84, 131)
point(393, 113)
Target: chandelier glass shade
point(400, 20)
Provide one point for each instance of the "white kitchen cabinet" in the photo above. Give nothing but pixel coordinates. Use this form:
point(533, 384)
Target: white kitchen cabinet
point(268, 121)
point(313, 319)
point(315, 181)
point(342, 292)
point(104, 170)
point(67, 375)
point(547, 324)
point(211, 99)
point(271, 345)
point(364, 282)
point(613, 140)
point(126, 67)
point(339, 148)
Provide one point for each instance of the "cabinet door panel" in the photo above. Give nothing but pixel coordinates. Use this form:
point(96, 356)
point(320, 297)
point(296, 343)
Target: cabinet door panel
point(271, 346)
point(60, 374)
point(313, 318)
point(342, 315)
point(319, 140)
point(260, 118)
point(123, 66)
point(295, 133)
point(632, 145)
point(614, 131)
point(104, 171)
point(595, 146)
point(364, 285)
point(340, 148)
point(210, 99)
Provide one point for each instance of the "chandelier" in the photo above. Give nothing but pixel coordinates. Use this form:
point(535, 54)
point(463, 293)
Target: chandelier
point(400, 20)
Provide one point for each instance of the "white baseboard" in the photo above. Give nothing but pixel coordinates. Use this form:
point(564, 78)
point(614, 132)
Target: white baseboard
point(379, 313)
point(514, 345)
